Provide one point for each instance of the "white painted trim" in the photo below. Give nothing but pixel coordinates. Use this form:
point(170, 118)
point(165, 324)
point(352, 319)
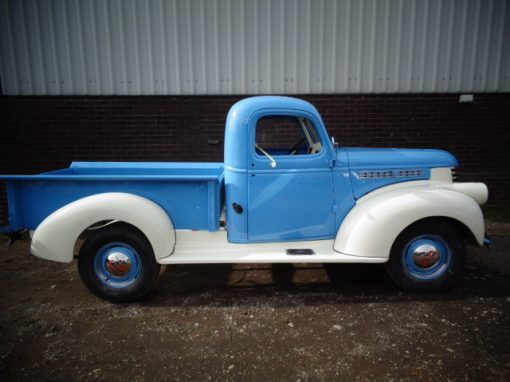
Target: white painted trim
point(439, 178)
point(476, 191)
point(202, 247)
point(371, 227)
point(441, 174)
point(55, 237)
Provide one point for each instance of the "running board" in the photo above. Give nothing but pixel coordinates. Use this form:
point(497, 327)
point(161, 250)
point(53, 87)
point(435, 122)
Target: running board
point(202, 247)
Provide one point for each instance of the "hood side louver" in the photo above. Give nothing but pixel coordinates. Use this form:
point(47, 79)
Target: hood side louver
point(383, 174)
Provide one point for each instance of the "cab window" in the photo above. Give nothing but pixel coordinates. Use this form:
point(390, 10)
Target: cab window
point(285, 135)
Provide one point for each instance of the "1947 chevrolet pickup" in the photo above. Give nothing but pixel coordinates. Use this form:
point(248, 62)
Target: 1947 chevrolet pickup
point(286, 193)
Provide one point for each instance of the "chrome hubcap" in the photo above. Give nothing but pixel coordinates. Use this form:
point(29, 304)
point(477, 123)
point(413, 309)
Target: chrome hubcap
point(118, 264)
point(425, 256)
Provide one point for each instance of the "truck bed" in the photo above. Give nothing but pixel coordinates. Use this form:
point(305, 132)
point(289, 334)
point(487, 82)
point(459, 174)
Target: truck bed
point(191, 193)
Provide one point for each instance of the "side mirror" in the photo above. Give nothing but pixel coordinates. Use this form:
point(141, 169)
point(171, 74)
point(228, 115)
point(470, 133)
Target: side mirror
point(333, 142)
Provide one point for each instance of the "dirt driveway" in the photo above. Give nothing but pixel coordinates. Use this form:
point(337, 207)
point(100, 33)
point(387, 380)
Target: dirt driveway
point(261, 322)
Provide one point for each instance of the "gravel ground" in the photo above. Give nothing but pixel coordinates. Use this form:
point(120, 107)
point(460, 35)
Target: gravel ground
point(258, 322)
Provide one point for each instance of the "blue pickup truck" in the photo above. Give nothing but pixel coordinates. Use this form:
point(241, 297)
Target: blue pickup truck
point(286, 193)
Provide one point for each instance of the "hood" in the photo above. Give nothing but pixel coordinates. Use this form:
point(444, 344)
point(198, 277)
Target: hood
point(370, 169)
point(366, 158)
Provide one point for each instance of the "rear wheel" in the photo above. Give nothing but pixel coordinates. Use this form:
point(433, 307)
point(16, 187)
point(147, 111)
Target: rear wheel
point(427, 257)
point(117, 263)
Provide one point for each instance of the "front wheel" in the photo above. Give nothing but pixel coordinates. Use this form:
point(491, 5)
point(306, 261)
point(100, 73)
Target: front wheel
point(117, 263)
point(427, 257)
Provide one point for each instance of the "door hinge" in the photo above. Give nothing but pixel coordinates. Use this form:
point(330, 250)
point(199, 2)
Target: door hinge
point(331, 163)
point(334, 208)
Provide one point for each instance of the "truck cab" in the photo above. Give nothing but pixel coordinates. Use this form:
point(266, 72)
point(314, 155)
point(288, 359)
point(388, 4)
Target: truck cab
point(283, 178)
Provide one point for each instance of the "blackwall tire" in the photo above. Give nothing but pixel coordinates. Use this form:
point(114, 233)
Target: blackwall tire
point(117, 263)
point(427, 257)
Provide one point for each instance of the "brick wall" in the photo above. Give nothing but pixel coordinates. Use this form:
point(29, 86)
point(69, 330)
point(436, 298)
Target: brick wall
point(44, 133)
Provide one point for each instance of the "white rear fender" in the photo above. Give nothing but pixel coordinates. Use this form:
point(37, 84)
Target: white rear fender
point(372, 226)
point(55, 237)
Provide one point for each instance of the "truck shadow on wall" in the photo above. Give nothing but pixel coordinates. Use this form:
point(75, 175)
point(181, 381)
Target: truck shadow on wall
point(305, 285)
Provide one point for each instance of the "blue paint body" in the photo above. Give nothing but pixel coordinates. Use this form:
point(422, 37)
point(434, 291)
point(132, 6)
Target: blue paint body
point(294, 200)
point(394, 162)
point(304, 197)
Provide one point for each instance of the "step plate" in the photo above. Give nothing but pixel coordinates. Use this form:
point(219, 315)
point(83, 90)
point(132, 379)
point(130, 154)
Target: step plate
point(300, 252)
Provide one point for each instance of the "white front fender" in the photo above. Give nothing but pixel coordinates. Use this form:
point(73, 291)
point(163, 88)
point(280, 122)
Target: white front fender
point(55, 237)
point(372, 226)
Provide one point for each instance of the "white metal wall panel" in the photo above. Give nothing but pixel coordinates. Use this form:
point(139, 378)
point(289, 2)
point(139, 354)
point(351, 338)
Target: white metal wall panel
point(75, 47)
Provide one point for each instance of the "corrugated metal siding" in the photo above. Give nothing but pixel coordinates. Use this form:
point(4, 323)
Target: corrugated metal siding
point(253, 47)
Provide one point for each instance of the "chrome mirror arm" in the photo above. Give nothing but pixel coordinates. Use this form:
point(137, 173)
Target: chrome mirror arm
point(273, 162)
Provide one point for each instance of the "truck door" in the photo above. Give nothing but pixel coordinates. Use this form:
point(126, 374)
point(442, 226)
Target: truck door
point(290, 188)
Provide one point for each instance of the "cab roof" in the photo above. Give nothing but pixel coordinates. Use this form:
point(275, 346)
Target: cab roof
point(237, 131)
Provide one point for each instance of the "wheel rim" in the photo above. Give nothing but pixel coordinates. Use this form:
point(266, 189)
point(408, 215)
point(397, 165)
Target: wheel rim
point(117, 265)
point(427, 257)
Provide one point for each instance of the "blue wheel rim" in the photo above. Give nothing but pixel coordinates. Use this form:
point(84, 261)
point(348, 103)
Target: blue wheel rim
point(125, 271)
point(438, 266)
